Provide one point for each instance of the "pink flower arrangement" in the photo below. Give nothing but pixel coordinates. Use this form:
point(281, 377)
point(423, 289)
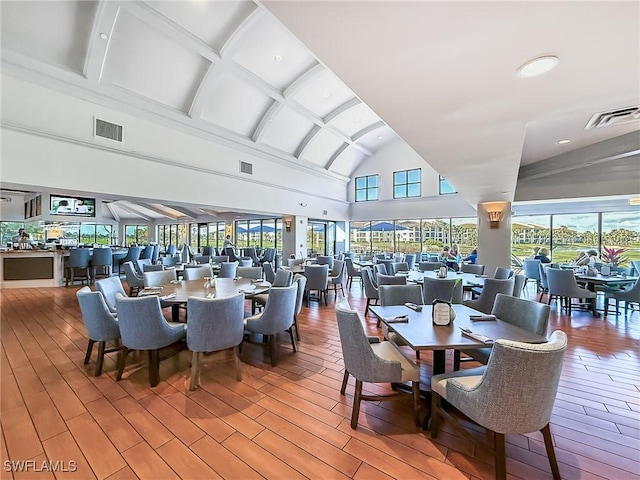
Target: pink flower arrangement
point(613, 256)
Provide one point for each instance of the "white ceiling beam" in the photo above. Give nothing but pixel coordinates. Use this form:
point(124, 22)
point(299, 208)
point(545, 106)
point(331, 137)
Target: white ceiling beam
point(184, 211)
point(335, 155)
point(369, 129)
point(158, 211)
point(265, 120)
point(230, 46)
point(305, 141)
point(354, 102)
point(104, 24)
point(114, 214)
point(305, 78)
point(125, 205)
point(205, 90)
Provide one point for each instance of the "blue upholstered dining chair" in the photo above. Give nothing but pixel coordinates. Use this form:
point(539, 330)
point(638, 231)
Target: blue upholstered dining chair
point(228, 269)
point(563, 286)
point(170, 261)
point(202, 259)
point(492, 286)
point(449, 289)
point(282, 278)
point(147, 252)
point(410, 259)
point(102, 327)
point(370, 290)
point(214, 324)
point(134, 281)
point(101, 262)
point(269, 274)
point(157, 279)
point(352, 273)
point(77, 263)
point(133, 254)
point(317, 280)
point(110, 287)
point(143, 327)
point(531, 269)
point(629, 296)
point(199, 273)
point(171, 250)
point(277, 317)
point(156, 253)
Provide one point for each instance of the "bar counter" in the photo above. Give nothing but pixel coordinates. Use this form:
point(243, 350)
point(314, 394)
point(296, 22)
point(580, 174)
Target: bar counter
point(31, 268)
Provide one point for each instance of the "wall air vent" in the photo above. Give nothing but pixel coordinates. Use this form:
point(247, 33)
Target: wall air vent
point(108, 130)
point(324, 212)
point(246, 167)
point(614, 117)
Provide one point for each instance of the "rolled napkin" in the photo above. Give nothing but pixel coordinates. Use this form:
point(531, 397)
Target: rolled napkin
point(398, 319)
point(476, 336)
point(482, 318)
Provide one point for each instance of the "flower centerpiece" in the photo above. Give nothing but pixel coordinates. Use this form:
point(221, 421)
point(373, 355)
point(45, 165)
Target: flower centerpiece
point(613, 256)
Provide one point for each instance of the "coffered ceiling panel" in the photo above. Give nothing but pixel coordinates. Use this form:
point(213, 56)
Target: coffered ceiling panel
point(347, 161)
point(212, 22)
point(354, 119)
point(272, 53)
point(322, 147)
point(53, 32)
point(323, 94)
point(144, 61)
point(377, 138)
point(287, 130)
point(236, 105)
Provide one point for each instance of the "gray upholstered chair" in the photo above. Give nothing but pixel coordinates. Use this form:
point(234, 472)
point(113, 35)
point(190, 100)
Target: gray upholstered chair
point(529, 315)
point(133, 254)
point(157, 279)
point(141, 263)
point(475, 268)
point(101, 262)
point(77, 266)
point(410, 259)
point(562, 285)
point(199, 273)
point(337, 279)
point(514, 393)
point(219, 258)
point(214, 324)
point(370, 290)
point(231, 253)
point(449, 289)
point(170, 261)
point(155, 255)
point(398, 295)
point(428, 266)
point(277, 317)
point(251, 253)
point(171, 250)
point(518, 284)
point(503, 273)
point(388, 265)
point(269, 274)
point(228, 269)
point(269, 255)
point(201, 259)
point(134, 281)
point(102, 327)
point(300, 281)
point(544, 285)
point(391, 280)
point(352, 273)
point(370, 360)
point(293, 262)
point(325, 260)
point(628, 296)
point(254, 273)
point(318, 281)
point(245, 262)
point(147, 252)
point(110, 287)
point(399, 267)
point(531, 269)
point(492, 286)
point(152, 268)
point(282, 278)
point(379, 268)
point(143, 327)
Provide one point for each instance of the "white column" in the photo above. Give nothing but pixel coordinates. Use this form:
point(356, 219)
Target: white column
point(494, 238)
point(294, 240)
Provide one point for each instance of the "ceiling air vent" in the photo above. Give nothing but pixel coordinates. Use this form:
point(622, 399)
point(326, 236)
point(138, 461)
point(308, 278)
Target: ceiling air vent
point(108, 130)
point(246, 167)
point(615, 117)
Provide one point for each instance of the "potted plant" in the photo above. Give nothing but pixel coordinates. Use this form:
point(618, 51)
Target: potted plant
point(613, 256)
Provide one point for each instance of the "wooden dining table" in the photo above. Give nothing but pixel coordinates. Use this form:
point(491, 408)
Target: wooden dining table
point(469, 280)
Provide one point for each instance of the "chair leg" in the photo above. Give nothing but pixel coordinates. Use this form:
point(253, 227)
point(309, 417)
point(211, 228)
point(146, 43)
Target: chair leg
point(356, 404)
point(87, 357)
point(272, 349)
point(345, 379)
point(295, 324)
point(236, 362)
point(154, 367)
point(501, 459)
point(293, 340)
point(435, 414)
point(100, 358)
point(551, 453)
point(415, 388)
point(122, 359)
point(195, 371)
point(366, 309)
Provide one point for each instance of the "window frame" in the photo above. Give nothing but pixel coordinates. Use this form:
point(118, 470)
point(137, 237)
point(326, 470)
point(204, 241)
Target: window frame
point(407, 183)
point(367, 188)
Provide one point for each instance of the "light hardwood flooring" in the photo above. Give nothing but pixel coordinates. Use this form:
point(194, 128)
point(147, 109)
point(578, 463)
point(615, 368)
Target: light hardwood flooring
point(288, 421)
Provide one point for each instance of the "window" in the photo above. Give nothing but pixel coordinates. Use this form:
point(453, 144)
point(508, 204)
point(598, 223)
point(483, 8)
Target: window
point(138, 234)
point(406, 183)
point(367, 188)
point(445, 188)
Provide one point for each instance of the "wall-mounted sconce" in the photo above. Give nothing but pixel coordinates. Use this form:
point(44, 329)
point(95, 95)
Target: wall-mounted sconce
point(494, 218)
point(287, 224)
point(302, 204)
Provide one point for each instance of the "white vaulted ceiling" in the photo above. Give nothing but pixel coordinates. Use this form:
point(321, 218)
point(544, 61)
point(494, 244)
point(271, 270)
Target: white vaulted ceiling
point(226, 67)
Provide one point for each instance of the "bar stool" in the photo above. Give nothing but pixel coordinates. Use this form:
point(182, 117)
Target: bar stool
point(101, 260)
point(78, 260)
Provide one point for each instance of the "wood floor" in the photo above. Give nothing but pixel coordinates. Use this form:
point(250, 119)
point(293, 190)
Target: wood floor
point(285, 422)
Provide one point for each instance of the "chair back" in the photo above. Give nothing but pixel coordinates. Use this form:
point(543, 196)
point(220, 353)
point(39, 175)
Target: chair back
point(325, 260)
point(370, 290)
point(531, 268)
point(475, 268)
point(282, 278)
point(357, 354)
point(391, 280)
point(197, 273)
point(518, 284)
point(562, 282)
point(101, 325)
point(400, 294)
point(102, 257)
point(449, 289)
point(429, 266)
point(635, 264)
point(492, 286)
point(410, 260)
point(133, 254)
point(388, 265)
point(527, 314)
point(78, 258)
point(202, 259)
point(157, 279)
point(215, 324)
point(278, 312)
point(292, 262)
point(338, 267)
point(518, 389)
point(133, 279)
point(219, 258)
point(228, 269)
point(142, 325)
point(156, 253)
point(152, 268)
point(231, 253)
point(269, 274)
point(146, 252)
point(255, 273)
point(378, 269)
point(110, 287)
point(269, 255)
point(170, 261)
point(503, 273)
point(399, 267)
point(301, 283)
point(171, 250)
point(317, 277)
point(141, 263)
point(352, 271)
point(543, 277)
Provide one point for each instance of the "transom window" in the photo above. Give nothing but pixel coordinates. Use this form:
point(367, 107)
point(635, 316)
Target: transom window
point(367, 188)
point(406, 183)
point(445, 187)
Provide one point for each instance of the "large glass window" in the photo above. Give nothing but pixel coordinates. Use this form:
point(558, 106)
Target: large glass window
point(359, 238)
point(406, 183)
point(464, 233)
point(407, 236)
point(367, 188)
point(316, 238)
point(435, 234)
point(529, 232)
point(622, 231)
point(572, 234)
point(445, 188)
point(138, 234)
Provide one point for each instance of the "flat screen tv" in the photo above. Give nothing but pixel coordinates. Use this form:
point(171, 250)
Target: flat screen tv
point(72, 206)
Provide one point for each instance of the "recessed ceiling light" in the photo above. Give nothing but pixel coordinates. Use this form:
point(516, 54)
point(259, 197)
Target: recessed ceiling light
point(325, 94)
point(538, 66)
point(278, 57)
point(380, 137)
point(104, 36)
point(357, 119)
point(564, 141)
